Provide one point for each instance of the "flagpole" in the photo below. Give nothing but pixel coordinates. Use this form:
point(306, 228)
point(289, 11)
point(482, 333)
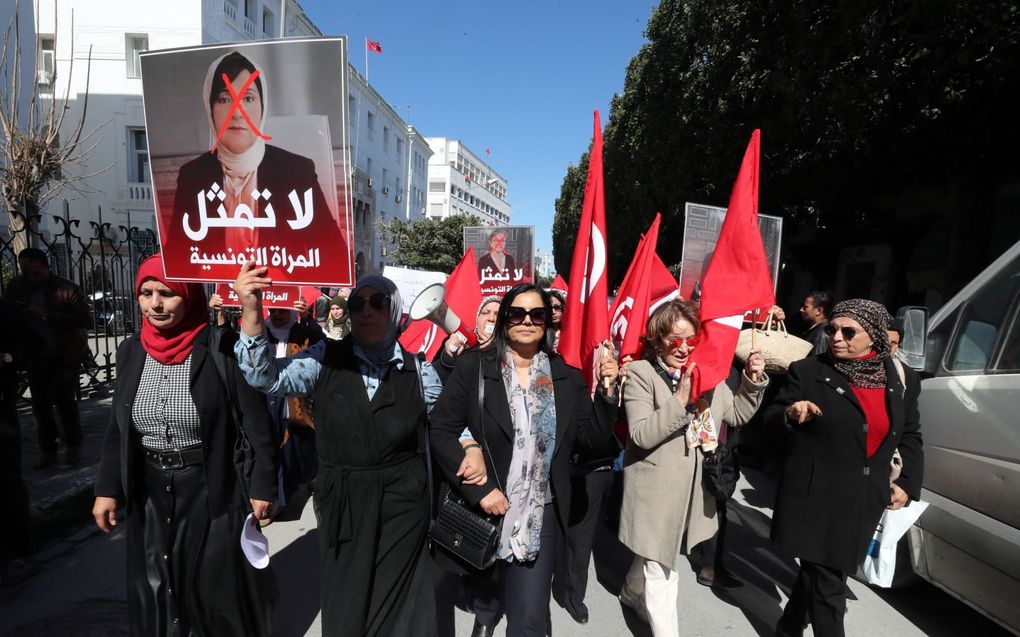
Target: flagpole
point(366, 59)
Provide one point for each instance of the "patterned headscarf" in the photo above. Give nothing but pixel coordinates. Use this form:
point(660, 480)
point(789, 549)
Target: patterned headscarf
point(869, 372)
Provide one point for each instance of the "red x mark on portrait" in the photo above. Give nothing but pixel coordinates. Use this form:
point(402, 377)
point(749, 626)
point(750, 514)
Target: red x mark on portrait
point(235, 104)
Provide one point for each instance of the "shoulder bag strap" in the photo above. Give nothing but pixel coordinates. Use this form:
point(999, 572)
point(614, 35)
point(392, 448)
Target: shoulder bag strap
point(481, 422)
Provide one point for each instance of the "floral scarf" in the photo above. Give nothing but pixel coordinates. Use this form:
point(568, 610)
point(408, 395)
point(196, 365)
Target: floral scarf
point(533, 412)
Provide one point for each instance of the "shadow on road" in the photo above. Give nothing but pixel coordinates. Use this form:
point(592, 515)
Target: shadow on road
point(297, 575)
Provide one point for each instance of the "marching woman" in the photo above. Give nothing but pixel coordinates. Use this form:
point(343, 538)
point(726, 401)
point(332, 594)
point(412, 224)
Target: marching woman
point(666, 508)
point(846, 413)
point(168, 457)
point(535, 407)
point(369, 407)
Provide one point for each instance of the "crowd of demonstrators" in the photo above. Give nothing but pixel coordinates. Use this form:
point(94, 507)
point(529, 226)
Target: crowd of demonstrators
point(370, 405)
point(534, 405)
point(55, 319)
point(815, 312)
point(179, 408)
point(847, 413)
point(540, 457)
point(667, 508)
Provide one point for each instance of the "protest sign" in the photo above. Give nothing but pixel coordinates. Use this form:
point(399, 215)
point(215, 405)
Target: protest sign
point(701, 231)
point(248, 151)
point(506, 256)
point(411, 282)
point(273, 297)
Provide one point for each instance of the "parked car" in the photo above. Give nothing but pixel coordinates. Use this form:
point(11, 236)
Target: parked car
point(113, 314)
point(968, 541)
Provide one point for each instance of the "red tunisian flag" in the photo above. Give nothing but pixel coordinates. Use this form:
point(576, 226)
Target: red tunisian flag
point(373, 46)
point(647, 284)
point(736, 281)
point(585, 323)
point(463, 296)
point(559, 284)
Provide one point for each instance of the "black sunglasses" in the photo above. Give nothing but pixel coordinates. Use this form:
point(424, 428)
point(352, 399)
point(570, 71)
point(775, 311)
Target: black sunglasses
point(378, 301)
point(557, 307)
point(515, 315)
point(848, 332)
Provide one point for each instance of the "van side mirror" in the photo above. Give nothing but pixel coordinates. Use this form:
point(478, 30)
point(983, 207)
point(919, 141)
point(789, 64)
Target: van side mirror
point(915, 332)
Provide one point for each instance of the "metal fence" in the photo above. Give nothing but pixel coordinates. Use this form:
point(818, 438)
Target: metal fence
point(100, 257)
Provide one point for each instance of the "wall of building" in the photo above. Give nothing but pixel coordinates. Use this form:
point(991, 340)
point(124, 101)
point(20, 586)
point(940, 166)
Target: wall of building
point(460, 182)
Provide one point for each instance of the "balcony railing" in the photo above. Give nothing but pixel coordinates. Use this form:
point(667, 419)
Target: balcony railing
point(139, 192)
point(229, 9)
point(249, 27)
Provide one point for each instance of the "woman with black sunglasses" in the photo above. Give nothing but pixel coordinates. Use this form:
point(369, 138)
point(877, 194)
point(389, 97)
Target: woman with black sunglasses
point(846, 413)
point(369, 405)
point(535, 407)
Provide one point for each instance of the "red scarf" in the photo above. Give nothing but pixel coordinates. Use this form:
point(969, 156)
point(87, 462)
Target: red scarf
point(172, 346)
point(872, 401)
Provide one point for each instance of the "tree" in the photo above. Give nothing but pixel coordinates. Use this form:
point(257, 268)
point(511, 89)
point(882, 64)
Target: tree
point(856, 101)
point(430, 244)
point(34, 156)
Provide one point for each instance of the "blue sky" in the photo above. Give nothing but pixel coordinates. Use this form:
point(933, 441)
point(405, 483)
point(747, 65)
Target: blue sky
point(519, 77)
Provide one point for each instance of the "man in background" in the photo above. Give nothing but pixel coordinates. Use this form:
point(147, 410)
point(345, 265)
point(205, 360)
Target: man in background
point(815, 313)
point(54, 318)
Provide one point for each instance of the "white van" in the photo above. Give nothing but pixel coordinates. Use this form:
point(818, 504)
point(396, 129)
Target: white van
point(968, 541)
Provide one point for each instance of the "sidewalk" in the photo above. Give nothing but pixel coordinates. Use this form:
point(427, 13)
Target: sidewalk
point(60, 496)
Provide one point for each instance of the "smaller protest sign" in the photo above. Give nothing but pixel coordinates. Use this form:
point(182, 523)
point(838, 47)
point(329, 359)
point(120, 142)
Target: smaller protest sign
point(274, 297)
point(506, 256)
point(411, 282)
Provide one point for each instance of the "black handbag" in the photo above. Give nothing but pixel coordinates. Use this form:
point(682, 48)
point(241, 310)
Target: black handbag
point(720, 472)
point(460, 529)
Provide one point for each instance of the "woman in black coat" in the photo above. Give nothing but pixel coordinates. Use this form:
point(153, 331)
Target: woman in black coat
point(847, 412)
point(168, 458)
point(535, 407)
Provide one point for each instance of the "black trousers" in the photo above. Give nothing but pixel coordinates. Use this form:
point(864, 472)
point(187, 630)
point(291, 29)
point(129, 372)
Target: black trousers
point(14, 532)
point(521, 589)
point(819, 594)
point(54, 383)
point(591, 493)
point(711, 551)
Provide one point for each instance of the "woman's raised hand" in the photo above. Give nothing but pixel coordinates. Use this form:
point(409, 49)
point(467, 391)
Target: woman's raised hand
point(683, 387)
point(755, 365)
point(495, 503)
point(609, 368)
point(249, 283)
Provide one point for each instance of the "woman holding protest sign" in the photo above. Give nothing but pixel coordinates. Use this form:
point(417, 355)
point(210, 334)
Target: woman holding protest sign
point(534, 406)
point(369, 407)
point(179, 408)
point(846, 412)
point(666, 508)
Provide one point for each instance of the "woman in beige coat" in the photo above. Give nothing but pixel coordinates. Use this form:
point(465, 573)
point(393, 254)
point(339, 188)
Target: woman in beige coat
point(666, 509)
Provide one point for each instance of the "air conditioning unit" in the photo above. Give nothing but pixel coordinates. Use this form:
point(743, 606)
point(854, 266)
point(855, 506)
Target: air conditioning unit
point(398, 198)
point(371, 184)
point(385, 190)
point(44, 77)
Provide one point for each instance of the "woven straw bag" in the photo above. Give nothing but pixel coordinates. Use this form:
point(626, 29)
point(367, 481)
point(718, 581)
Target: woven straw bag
point(776, 345)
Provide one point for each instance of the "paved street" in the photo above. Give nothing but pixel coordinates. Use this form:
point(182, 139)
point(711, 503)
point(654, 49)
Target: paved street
point(80, 589)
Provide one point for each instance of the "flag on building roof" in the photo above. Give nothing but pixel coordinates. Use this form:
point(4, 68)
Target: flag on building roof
point(373, 46)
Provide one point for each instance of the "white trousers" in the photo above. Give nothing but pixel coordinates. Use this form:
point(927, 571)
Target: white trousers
point(658, 587)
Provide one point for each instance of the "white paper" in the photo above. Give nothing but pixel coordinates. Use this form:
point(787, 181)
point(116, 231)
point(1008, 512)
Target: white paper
point(254, 544)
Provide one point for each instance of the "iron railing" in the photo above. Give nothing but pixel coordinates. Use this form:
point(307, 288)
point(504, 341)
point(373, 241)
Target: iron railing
point(102, 258)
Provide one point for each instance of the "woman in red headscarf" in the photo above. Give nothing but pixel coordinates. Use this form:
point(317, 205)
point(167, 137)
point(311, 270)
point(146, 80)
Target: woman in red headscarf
point(168, 458)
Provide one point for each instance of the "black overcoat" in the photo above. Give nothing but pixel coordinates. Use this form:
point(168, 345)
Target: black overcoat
point(579, 419)
point(120, 467)
point(832, 495)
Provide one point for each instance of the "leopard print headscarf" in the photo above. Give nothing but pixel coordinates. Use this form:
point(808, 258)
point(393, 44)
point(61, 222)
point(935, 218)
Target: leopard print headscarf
point(868, 373)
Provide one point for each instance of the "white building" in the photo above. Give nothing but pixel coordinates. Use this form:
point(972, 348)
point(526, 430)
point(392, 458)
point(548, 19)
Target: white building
point(390, 157)
point(460, 182)
point(544, 264)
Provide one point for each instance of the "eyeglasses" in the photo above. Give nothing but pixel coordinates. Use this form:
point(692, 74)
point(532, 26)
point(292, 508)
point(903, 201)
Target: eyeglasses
point(357, 302)
point(557, 307)
point(690, 341)
point(848, 332)
point(515, 315)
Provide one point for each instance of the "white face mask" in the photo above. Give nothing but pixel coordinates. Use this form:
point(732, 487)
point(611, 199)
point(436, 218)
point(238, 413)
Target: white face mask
point(489, 328)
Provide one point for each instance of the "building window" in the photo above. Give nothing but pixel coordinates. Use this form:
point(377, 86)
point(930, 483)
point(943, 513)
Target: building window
point(437, 186)
point(249, 9)
point(350, 109)
point(47, 60)
point(368, 167)
point(371, 125)
point(386, 139)
point(268, 23)
point(400, 150)
point(135, 45)
point(138, 156)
